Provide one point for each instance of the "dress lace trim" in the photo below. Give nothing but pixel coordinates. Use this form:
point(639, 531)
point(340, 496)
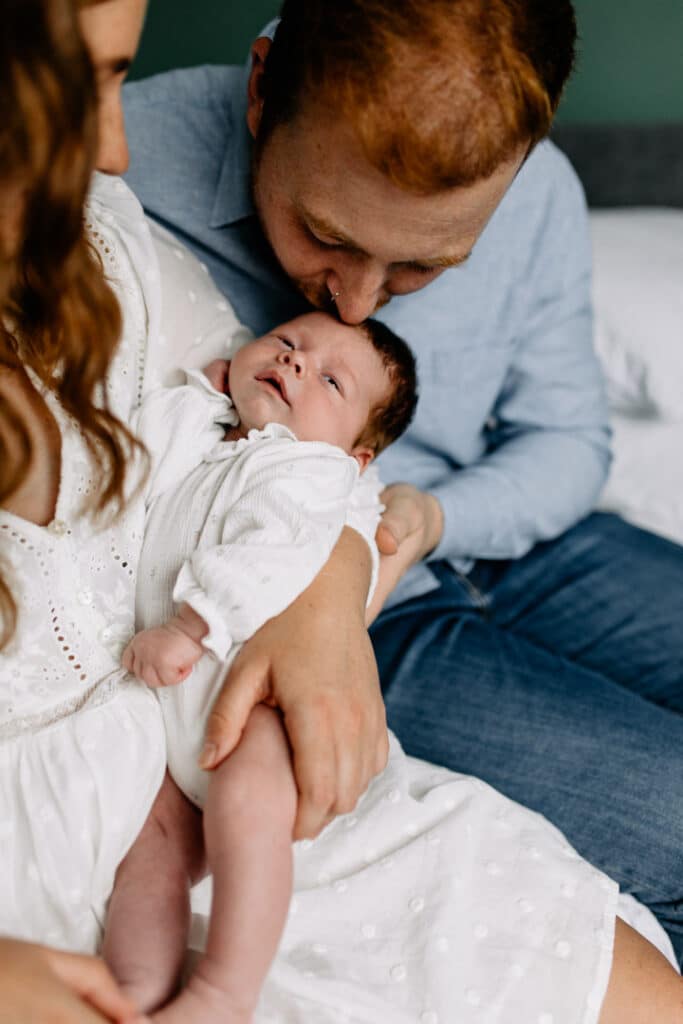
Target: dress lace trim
point(102, 692)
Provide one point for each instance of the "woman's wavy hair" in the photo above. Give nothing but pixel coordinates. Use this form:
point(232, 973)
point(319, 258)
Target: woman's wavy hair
point(58, 315)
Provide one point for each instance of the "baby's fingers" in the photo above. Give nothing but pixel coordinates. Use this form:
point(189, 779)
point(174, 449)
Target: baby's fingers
point(127, 658)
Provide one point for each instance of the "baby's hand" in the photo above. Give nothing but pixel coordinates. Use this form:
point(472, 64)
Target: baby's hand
point(162, 656)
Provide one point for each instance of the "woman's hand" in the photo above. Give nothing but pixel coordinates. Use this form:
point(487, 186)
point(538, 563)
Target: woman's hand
point(314, 662)
point(411, 527)
point(43, 986)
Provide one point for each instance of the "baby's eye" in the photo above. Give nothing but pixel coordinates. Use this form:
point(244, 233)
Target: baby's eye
point(287, 343)
point(329, 379)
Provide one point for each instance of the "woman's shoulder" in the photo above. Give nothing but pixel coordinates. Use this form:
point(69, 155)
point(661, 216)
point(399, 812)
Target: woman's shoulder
point(111, 201)
point(188, 321)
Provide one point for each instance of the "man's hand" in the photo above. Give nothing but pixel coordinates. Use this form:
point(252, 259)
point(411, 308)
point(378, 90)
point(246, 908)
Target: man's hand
point(411, 527)
point(314, 662)
point(43, 986)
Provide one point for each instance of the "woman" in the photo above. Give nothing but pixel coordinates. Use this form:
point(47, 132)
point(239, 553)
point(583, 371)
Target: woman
point(59, 328)
point(60, 342)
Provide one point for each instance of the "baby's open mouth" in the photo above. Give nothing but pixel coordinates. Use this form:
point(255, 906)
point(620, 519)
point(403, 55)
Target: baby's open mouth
point(276, 382)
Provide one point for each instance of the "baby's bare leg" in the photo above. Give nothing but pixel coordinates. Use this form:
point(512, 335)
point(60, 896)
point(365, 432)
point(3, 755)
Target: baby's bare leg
point(643, 986)
point(248, 821)
point(147, 923)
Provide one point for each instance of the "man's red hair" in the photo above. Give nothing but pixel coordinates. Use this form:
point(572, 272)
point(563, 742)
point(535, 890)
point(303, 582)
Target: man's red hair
point(438, 92)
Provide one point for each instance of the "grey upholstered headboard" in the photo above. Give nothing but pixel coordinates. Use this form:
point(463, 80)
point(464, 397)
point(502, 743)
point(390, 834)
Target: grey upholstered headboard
point(626, 165)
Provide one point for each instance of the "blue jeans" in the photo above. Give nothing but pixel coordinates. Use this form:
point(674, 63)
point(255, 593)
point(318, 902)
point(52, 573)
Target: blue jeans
point(558, 678)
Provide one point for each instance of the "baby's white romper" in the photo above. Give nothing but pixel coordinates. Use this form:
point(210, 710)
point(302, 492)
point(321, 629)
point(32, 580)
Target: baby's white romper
point(237, 529)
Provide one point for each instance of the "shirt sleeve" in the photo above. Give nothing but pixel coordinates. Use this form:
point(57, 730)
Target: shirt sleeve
point(547, 453)
point(290, 507)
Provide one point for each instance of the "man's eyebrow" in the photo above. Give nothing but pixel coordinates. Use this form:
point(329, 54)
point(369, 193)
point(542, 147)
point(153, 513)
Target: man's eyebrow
point(441, 262)
point(324, 227)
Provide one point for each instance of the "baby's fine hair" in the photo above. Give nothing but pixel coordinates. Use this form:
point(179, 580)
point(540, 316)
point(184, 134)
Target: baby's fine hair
point(390, 417)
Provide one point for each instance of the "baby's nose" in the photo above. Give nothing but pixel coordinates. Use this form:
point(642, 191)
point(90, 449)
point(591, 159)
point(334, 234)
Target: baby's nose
point(294, 360)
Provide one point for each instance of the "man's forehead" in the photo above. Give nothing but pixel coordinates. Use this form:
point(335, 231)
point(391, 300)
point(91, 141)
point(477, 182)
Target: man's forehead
point(335, 191)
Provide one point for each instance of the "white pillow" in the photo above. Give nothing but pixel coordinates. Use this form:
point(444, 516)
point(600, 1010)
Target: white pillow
point(638, 297)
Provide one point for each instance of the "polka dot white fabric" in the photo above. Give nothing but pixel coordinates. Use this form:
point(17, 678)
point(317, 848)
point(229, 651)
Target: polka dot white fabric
point(439, 901)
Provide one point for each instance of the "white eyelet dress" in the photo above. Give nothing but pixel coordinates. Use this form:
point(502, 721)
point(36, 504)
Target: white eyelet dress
point(82, 751)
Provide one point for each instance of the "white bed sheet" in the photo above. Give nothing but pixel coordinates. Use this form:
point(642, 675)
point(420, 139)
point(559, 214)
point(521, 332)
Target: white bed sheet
point(645, 484)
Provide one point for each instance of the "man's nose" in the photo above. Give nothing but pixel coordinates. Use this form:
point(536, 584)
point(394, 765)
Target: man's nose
point(357, 290)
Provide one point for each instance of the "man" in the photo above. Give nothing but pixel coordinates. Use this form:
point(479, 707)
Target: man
point(387, 155)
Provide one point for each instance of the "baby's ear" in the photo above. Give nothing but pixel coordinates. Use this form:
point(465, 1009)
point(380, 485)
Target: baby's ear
point(363, 456)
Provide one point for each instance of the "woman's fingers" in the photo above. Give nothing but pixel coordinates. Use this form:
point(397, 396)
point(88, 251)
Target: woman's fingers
point(92, 980)
point(246, 685)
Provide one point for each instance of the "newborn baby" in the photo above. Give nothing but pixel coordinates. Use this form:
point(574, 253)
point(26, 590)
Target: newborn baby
point(255, 472)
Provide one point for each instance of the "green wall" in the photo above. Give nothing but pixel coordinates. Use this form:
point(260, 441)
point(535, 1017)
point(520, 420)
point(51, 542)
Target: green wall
point(630, 63)
point(179, 33)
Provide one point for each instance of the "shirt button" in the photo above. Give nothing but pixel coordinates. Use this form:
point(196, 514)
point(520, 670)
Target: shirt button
point(58, 527)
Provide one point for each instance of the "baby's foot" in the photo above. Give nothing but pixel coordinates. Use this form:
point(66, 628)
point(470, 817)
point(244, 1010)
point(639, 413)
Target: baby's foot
point(202, 1001)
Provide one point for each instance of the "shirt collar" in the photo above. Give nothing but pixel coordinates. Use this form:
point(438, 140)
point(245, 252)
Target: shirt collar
point(233, 199)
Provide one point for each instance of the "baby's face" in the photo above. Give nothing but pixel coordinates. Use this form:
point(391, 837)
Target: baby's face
point(314, 375)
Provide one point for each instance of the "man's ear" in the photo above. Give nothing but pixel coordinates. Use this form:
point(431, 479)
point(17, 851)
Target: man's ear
point(259, 52)
point(363, 456)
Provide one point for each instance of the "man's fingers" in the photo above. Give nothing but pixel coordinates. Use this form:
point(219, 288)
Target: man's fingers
point(355, 742)
point(387, 542)
point(93, 982)
point(245, 686)
point(333, 768)
point(314, 760)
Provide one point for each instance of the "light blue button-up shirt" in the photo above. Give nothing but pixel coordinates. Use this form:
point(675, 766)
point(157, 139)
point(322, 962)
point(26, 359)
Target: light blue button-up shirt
point(511, 430)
